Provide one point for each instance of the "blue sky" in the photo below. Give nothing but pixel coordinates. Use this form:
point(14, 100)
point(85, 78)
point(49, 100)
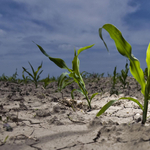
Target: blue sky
point(59, 26)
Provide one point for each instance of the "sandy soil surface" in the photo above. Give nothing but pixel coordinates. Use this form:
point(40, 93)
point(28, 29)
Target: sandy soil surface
point(40, 119)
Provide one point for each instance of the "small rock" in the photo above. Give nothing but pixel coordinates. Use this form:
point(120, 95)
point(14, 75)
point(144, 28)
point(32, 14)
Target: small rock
point(7, 127)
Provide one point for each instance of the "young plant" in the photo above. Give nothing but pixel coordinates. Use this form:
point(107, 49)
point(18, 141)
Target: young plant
point(35, 75)
point(74, 72)
point(124, 75)
point(114, 81)
point(25, 79)
point(63, 81)
point(12, 78)
point(125, 49)
point(46, 81)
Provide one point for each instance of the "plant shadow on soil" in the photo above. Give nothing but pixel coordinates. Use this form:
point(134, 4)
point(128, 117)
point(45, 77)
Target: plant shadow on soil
point(38, 118)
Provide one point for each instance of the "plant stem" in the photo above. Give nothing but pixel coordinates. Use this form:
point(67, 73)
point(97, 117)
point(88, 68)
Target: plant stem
point(145, 109)
point(89, 103)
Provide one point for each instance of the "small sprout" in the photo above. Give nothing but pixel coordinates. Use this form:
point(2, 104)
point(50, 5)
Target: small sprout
point(63, 81)
point(35, 75)
point(124, 75)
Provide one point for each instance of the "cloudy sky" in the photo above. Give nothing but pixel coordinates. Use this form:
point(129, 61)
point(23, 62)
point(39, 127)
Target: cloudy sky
point(59, 26)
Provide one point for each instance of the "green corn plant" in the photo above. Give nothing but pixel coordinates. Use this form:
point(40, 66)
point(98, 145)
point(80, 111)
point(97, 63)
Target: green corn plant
point(114, 78)
point(25, 79)
point(109, 75)
point(63, 81)
point(46, 81)
point(114, 81)
point(74, 72)
point(3, 77)
point(12, 78)
point(124, 75)
point(85, 75)
point(35, 75)
point(125, 49)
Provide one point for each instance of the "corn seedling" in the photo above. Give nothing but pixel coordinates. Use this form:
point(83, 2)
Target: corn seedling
point(35, 75)
point(63, 81)
point(125, 49)
point(114, 78)
point(74, 72)
point(46, 81)
point(109, 75)
point(3, 77)
point(113, 90)
point(12, 78)
point(25, 79)
point(85, 75)
point(124, 75)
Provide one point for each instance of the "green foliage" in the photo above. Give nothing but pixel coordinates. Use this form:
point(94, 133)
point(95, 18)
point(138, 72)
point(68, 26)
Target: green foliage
point(25, 79)
point(124, 48)
point(85, 74)
point(47, 81)
point(63, 81)
point(35, 75)
point(146, 73)
point(124, 75)
point(114, 78)
point(114, 81)
point(74, 72)
point(92, 77)
point(12, 78)
point(3, 77)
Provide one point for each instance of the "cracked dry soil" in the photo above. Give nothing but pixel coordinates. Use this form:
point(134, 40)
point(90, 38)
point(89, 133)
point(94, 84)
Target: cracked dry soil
point(40, 119)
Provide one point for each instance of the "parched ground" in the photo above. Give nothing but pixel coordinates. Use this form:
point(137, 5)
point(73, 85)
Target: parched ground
point(41, 119)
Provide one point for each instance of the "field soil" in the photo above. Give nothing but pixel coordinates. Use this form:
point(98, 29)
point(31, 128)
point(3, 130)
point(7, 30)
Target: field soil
point(44, 119)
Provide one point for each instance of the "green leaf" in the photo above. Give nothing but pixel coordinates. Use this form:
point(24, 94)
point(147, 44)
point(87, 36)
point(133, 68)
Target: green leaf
point(80, 83)
point(39, 75)
point(100, 34)
point(75, 65)
point(148, 59)
point(93, 96)
point(63, 81)
point(32, 69)
point(61, 78)
point(84, 48)
point(59, 62)
point(5, 139)
point(39, 69)
point(124, 48)
point(75, 90)
point(28, 72)
point(72, 93)
point(134, 100)
point(105, 107)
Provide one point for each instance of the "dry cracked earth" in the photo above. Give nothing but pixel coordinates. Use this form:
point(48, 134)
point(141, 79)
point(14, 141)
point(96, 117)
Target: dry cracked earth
point(41, 119)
